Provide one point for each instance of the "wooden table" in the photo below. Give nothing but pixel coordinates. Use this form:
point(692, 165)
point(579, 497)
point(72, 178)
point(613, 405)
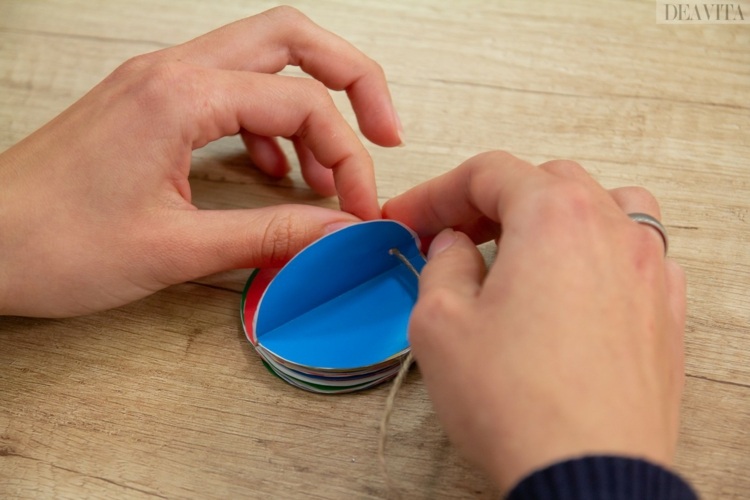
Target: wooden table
point(165, 397)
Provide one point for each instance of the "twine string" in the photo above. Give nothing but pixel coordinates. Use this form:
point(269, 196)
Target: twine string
point(389, 402)
point(391, 487)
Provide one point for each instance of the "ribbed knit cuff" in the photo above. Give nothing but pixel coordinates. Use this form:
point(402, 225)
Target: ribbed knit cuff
point(603, 478)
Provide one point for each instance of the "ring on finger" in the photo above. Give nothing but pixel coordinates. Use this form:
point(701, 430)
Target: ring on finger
point(653, 222)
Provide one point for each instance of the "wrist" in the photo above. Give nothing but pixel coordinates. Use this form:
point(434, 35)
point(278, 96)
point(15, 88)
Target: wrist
point(520, 459)
point(12, 230)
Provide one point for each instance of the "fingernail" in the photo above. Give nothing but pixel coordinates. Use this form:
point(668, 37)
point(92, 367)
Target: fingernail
point(335, 226)
point(399, 128)
point(442, 242)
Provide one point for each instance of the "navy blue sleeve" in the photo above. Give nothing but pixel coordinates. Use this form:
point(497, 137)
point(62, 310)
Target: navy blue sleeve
point(603, 478)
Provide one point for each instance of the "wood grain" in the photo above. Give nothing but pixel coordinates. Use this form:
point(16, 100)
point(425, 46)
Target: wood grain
point(165, 398)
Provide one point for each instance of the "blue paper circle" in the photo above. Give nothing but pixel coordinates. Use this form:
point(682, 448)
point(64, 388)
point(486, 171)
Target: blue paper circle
point(344, 302)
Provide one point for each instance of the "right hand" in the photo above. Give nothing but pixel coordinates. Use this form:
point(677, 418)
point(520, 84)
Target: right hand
point(571, 344)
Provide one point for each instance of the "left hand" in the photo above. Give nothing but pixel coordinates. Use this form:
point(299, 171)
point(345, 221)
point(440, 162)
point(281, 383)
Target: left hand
point(95, 207)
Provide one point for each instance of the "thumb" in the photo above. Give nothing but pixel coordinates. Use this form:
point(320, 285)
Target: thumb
point(203, 242)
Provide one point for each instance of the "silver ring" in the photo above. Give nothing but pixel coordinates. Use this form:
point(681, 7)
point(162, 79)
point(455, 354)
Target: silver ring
point(648, 220)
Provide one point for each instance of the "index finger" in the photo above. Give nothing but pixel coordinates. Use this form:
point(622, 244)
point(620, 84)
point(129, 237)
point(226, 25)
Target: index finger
point(481, 187)
point(269, 41)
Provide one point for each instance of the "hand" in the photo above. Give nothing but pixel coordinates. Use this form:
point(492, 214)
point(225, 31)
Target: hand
point(95, 207)
point(571, 344)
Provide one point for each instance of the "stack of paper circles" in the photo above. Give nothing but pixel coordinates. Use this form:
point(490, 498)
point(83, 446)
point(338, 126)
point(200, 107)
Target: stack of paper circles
point(335, 318)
